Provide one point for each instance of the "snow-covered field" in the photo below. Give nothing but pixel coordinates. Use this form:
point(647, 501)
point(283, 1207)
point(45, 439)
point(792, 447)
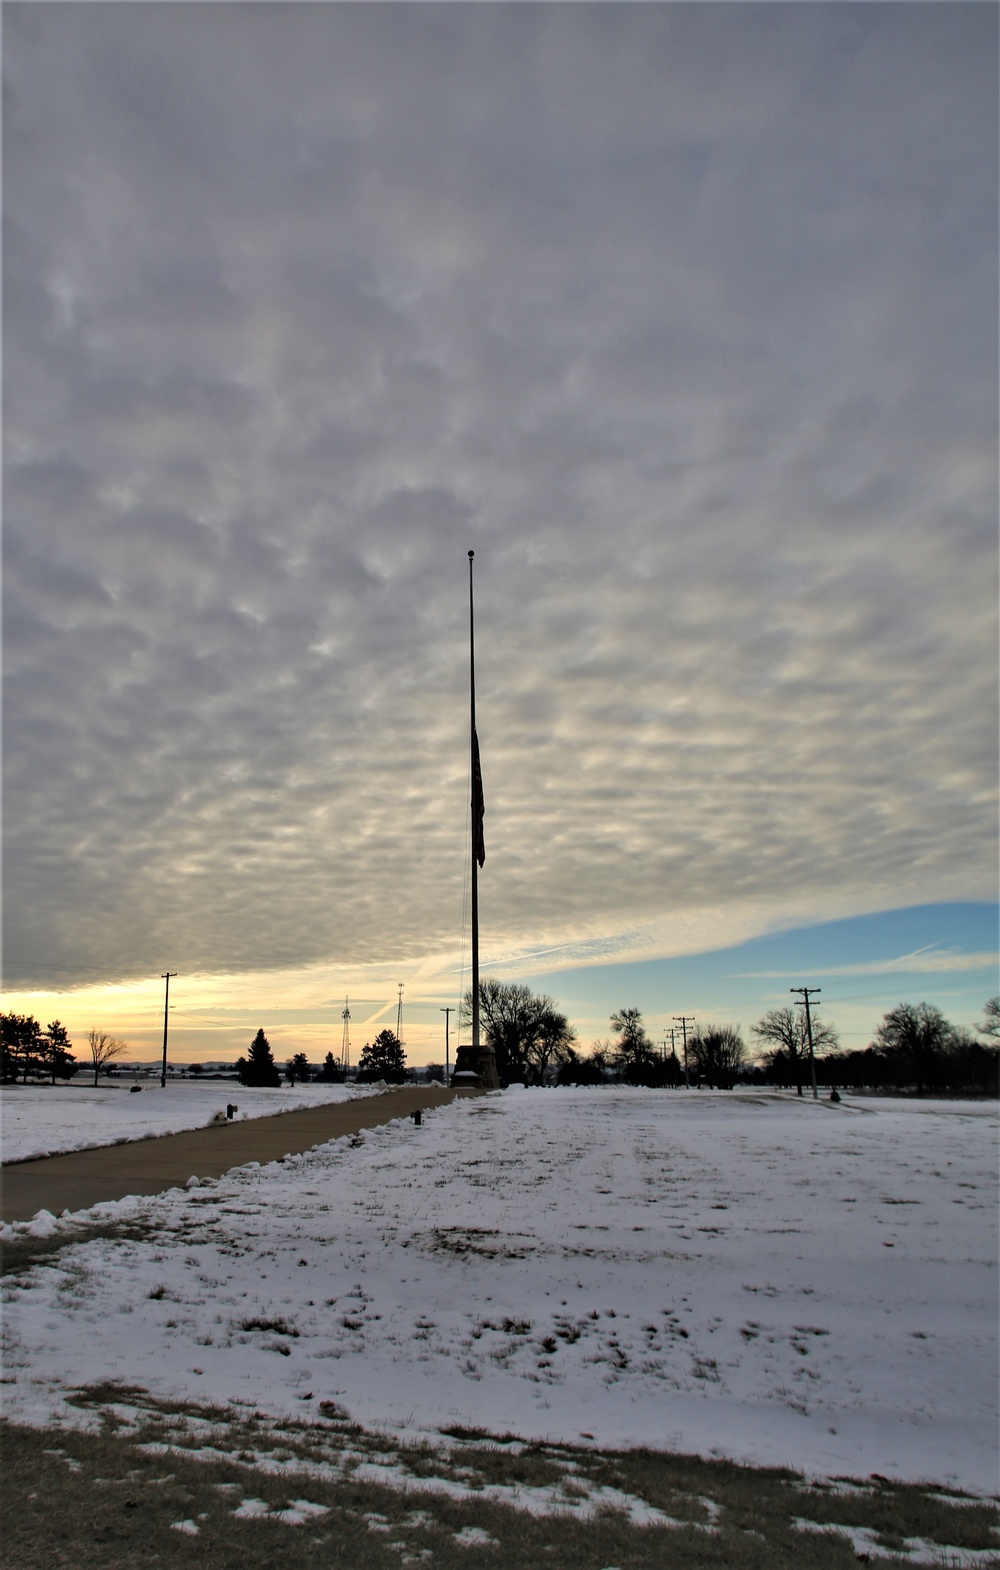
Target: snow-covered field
point(43, 1120)
point(734, 1274)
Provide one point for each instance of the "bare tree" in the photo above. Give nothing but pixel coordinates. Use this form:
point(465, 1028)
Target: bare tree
point(507, 1014)
point(718, 1053)
point(551, 1044)
point(527, 1033)
point(635, 1055)
point(784, 1030)
point(991, 1018)
point(103, 1048)
point(602, 1056)
point(915, 1037)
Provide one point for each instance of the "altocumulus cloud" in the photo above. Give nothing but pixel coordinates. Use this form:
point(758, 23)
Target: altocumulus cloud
point(683, 317)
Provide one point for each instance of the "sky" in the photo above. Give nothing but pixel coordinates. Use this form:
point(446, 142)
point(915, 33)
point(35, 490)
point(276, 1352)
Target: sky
point(684, 318)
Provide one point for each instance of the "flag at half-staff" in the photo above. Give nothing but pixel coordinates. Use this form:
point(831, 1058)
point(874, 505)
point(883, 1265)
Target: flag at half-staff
point(475, 1065)
point(478, 804)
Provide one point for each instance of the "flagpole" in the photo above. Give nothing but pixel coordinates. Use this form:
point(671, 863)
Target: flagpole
point(475, 827)
point(475, 1065)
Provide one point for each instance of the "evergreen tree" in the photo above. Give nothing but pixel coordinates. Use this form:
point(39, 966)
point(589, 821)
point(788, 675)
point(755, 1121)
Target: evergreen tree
point(383, 1059)
point(59, 1051)
point(297, 1067)
point(23, 1047)
point(673, 1074)
point(575, 1070)
point(331, 1072)
point(259, 1068)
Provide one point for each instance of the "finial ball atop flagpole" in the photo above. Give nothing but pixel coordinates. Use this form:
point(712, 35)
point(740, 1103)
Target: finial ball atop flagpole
point(471, 554)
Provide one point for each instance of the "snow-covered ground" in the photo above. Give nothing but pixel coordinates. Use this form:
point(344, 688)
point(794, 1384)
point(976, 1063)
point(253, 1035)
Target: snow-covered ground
point(734, 1274)
point(43, 1120)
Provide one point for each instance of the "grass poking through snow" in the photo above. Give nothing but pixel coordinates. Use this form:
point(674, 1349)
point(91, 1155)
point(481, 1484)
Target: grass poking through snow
point(176, 1485)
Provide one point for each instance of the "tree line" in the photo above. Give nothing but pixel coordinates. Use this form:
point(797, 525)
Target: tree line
point(381, 1059)
point(28, 1051)
point(534, 1044)
point(914, 1048)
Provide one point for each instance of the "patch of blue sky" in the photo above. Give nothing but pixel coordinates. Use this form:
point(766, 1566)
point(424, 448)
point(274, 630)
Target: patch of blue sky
point(944, 954)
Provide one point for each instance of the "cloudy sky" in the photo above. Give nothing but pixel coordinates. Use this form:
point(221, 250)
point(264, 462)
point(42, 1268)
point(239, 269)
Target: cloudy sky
point(683, 317)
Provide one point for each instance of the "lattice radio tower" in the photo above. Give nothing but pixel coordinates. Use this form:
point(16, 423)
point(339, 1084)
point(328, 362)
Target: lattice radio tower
point(399, 1013)
point(345, 1045)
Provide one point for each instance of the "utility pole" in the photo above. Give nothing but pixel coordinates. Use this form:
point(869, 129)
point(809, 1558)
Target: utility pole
point(166, 1005)
point(807, 992)
point(683, 1021)
point(446, 1012)
point(669, 1035)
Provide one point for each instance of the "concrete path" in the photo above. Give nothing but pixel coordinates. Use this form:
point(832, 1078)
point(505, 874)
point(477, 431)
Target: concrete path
point(82, 1178)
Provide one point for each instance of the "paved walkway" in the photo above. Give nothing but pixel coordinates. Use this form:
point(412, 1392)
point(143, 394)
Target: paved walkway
point(82, 1178)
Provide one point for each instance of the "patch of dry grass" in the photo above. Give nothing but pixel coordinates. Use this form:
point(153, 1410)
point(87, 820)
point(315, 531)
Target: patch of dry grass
point(23, 1252)
point(116, 1498)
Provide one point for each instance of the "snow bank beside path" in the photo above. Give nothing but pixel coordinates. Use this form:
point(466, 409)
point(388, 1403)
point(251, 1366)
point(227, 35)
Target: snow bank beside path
point(46, 1120)
point(775, 1280)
